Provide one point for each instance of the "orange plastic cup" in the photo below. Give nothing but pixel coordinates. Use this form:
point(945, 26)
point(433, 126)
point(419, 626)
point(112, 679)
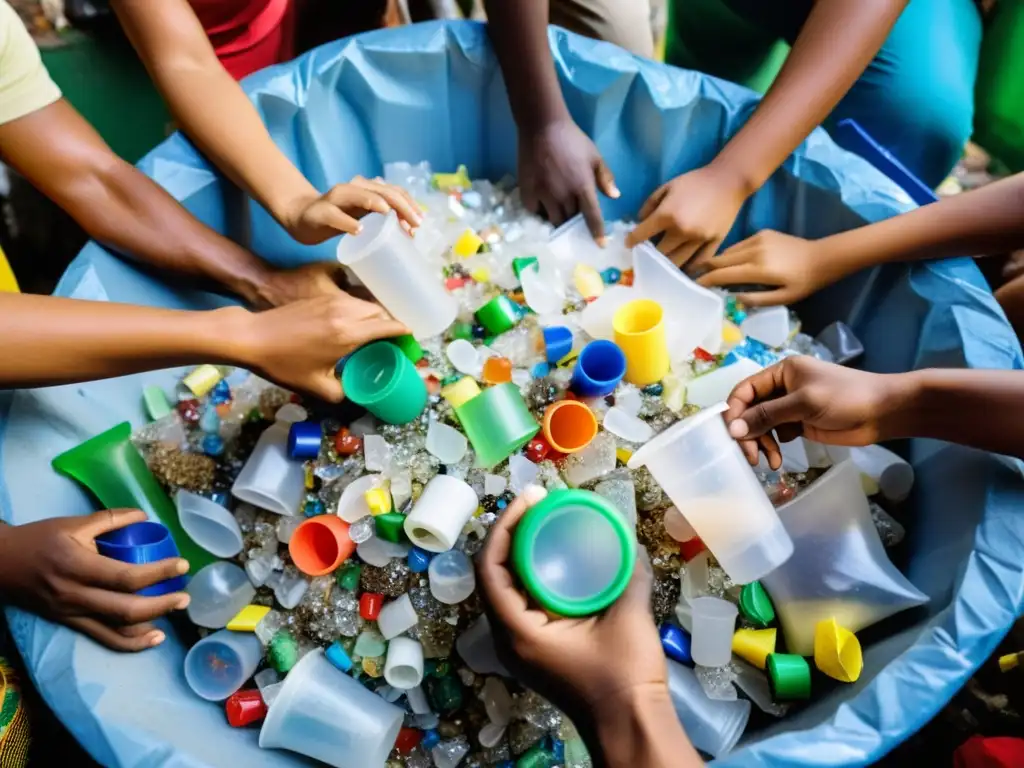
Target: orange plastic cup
point(569, 426)
point(320, 545)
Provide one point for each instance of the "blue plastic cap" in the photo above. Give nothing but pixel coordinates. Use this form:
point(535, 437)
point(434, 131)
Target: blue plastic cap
point(141, 543)
point(676, 643)
point(418, 560)
point(599, 369)
point(304, 440)
point(338, 657)
point(557, 342)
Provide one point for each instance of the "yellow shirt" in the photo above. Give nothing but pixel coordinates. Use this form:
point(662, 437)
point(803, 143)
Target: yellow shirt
point(25, 85)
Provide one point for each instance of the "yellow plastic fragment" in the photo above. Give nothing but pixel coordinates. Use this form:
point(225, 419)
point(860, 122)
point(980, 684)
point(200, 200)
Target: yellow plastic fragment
point(481, 274)
point(837, 651)
point(247, 618)
point(754, 645)
point(623, 454)
point(449, 181)
point(462, 391)
point(587, 280)
point(468, 244)
point(203, 379)
point(378, 500)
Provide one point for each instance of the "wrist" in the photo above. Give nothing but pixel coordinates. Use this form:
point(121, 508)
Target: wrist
point(628, 727)
point(735, 175)
point(904, 403)
point(236, 339)
point(288, 208)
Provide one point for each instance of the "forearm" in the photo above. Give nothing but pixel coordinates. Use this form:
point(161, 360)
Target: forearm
point(837, 42)
point(46, 341)
point(641, 732)
point(518, 30)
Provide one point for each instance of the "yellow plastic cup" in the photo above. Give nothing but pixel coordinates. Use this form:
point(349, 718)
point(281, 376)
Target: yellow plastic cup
point(837, 651)
point(640, 333)
point(754, 645)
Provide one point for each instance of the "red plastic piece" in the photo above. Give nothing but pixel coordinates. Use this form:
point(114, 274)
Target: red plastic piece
point(189, 411)
point(408, 739)
point(245, 707)
point(370, 604)
point(296, 398)
point(346, 444)
point(537, 450)
point(992, 752)
point(703, 354)
point(454, 282)
point(690, 549)
point(627, 277)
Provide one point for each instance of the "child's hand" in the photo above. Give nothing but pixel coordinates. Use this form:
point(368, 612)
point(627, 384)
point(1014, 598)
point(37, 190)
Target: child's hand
point(337, 211)
point(824, 402)
point(794, 267)
point(587, 667)
point(52, 569)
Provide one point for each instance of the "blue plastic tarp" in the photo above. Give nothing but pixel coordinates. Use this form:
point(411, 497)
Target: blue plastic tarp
point(434, 92)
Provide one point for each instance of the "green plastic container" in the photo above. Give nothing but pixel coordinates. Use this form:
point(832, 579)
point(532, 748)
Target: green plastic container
point(574, 553)
point(385, 382)
point(497, 423)
point(113, 469)
point(999, 92)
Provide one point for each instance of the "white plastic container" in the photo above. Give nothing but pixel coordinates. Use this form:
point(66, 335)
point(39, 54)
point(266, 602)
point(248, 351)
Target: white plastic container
point(397, 617)
point(219, 591)
point(714, 620)
point(404, 666)
point(712, 726)
point(441, 511)
point(705, 474)
point(219, 664)
point(716, 386)
point(386, 261)
point(452, 578)
point(271, 480)
point(208, 524)
point(839, 568)
point(323, 713)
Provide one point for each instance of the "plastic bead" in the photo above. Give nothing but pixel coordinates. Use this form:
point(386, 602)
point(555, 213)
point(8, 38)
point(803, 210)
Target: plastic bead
point(390, 526)
point(347, 576)
point(189, 411)
point(370, 604)
point(537, 757)
point(654, 390)
point(454, 283)
point(790, 676)
point(479, 331)
point(445, 694)
point(221, 393)
point(537, 450)
point(373, 667)
point(337, 655)
point(497, 370)
point(498, 315)
point(283, 652)
point(408, 739)
point(378, 500)
point(313, 507)
point(201, 380)
point(755, 605)
point(418, 560)
point(703, 355)
point(157, 404)
point(522, 262)
point(347, 444)
point(430, 739)
point(676, 643)
point(244, 708)
point(468, 244)
point(213, 445)
point(247, 618)
point(611, 275)
point(627, 277)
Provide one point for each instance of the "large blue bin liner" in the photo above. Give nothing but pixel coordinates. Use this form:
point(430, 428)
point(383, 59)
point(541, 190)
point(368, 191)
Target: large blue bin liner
point(434, 92)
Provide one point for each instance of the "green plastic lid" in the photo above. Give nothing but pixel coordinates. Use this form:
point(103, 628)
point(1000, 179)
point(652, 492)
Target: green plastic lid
point(574, 553)
point(522, 262)
point(755, 605)
point(383, 380)
point(498, 315)
point(409, 346)
point(790, 676)
point(497, 423)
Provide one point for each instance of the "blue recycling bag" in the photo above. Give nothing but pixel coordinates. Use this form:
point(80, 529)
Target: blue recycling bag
point(434, 92)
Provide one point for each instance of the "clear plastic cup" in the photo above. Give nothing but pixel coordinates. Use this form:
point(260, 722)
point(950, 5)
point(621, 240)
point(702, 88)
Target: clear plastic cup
point(218, 593)
point(219, 664)
point(713, 622)
point(386, 261)
point(705, 474)
point(323, 713)
point(712, 726)
point(208, 524)
point(270, 479)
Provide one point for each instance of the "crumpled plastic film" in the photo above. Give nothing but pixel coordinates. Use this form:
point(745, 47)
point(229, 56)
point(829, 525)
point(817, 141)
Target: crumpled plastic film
point(345, 109)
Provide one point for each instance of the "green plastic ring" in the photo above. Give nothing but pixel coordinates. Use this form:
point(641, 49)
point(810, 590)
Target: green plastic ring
point(790, 676)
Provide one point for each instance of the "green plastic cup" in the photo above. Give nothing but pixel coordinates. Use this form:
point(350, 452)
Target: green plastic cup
point(384, 381)
point(497, 423)
point(789, 676)
point(498, 315)
point(113, 469)
point(574, 553)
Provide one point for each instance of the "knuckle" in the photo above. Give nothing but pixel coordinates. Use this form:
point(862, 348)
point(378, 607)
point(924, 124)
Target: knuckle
point(124, 579)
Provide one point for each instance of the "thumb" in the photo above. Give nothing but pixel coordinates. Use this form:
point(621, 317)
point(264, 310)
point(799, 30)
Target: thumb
point(763, 417)
point(107, 520)
point(606, 180)
point(380, 327)
point(637, 597)
point(327, 387)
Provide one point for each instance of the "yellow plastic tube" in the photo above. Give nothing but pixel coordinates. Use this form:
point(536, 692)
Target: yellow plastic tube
point(837, 651)
point(640, 333)
point(754, 645)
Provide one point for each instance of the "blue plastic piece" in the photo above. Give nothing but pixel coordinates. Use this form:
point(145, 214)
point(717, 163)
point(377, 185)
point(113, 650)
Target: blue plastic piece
point(304, 440)
point(141, 543)
point(212, 445)
point(209, 421)
point(418, 560)
point(221, 392)
point(338, 657)
point(220, 497)
point(558, 750)
point(676, 643)
point(540, 370)
point(652, 122)
point(430, 739)
point(599, 369)
point(611, 275)
point(849, 135)
point(557, 342)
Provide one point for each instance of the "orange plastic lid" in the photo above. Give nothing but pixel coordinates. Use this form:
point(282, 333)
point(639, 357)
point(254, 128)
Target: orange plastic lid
point(320, 545)
point(569, 425)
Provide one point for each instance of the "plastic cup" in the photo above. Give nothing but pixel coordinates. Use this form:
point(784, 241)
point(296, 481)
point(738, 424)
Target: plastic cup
point(452, 578)
point(436, 520)
point(574, 553)
point(141, 543)
point(218, 592)
point(557, 342)
point(386, 261)
point(713, 623)
point(498, 315)
point(304, 438)
point(640, 333)
point(383, 380)
point(321, 544)
point(599, 369)
point(218, 665)
point(270, 480)
point(703, 471)
point(323, 713)
point(208, 524)
point(712, 726)
point(569, 426)
point(403, 668)
point(113, 469)
point(397, 617)
point(497, 423)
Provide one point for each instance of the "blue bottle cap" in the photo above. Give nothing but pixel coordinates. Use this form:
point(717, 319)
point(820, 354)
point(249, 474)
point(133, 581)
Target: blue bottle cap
point(599, 369)
point(557, 342)
point(304, 440)
point(418, 560)
point(676, 643)
point(338, 657)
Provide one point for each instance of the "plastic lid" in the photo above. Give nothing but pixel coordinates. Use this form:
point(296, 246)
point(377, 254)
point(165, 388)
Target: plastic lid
point(755, 605)
point(377, 227)
point(320, 544)
point(673, 433)
point(381, 378)
point(574, 553)
point(790, 676)
point(569, 425)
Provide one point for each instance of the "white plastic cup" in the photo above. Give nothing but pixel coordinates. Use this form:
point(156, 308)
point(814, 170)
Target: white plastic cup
point(352, 504)
point(323, 713)
point(219, 591)
point(270, 479)
point(208, 524)
point(707, 477)
point(452, 578)
point(386, 261)
point(714, 620)
point(476, 647)
point(712, 726)
point(893, 475)
point(437, 519)
point(403, 668)
point(397, 617)
point(219, 664)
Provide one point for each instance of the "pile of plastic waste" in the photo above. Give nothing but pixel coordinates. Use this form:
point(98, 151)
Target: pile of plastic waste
point(336, 580)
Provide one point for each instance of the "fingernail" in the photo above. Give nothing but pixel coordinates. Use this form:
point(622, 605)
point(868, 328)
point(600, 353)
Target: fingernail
point(602, 241)
point(739, 428)
point(359, 229)
point(182, 566)
point(534, 493)
point(614, 192)
point(183, 602)
point(156, 638)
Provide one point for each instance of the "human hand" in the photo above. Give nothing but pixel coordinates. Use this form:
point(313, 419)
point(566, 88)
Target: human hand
point(822, 401)
point(299, 345)
point(794, 267)
point(587, 667)
point(693, 212)
point(561, 170)
point(312, 220)
point(52, 568)
point(283, 286)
